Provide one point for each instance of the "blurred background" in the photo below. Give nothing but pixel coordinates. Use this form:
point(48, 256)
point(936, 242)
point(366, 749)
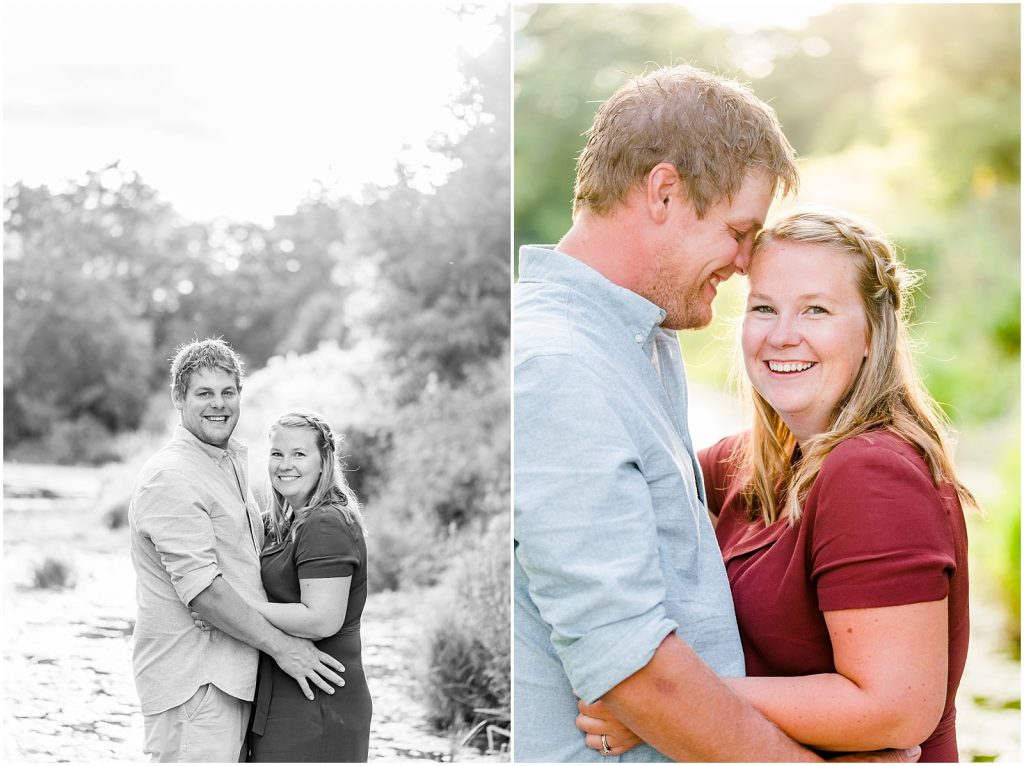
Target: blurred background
point(907, 114)
point(327, 187)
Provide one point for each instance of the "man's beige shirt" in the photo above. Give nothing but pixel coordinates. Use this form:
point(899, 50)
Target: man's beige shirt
point(192, 517)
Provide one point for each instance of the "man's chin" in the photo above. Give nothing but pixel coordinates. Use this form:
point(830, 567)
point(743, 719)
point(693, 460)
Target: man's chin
point(688, 321)
point(218, 437)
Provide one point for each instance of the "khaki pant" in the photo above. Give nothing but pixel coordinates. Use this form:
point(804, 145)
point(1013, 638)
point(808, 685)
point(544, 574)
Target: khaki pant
point(209, 727)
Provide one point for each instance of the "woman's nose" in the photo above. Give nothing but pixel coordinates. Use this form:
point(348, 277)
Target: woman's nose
point(784, 332)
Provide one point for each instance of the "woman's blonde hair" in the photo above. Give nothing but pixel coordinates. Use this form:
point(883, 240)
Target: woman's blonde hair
point(331, 490)
point(887, 392)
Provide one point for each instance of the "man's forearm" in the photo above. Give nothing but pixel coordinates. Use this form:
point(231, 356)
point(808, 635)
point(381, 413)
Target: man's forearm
point(221, 606)
point(681, 708)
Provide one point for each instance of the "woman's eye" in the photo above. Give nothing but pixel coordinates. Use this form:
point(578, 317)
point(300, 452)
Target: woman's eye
point(816, 310)
point(762, 309)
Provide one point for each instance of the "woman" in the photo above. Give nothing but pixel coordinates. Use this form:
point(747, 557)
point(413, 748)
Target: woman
point(314, 572)
point(839, 513)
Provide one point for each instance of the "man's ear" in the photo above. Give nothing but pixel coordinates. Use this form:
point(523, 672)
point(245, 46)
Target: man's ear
point(663, 184)
point(176, 400)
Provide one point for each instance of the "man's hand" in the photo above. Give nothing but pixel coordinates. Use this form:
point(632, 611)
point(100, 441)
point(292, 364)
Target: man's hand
point(299, 658)
point(222, 607)
point(881, 756)
point(597, 720)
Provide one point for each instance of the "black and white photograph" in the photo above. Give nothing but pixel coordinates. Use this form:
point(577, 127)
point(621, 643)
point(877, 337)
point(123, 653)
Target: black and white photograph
point(256, 381)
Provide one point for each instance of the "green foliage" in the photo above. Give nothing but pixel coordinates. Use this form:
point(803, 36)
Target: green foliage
point(996, 540)
point(469, 655)
point(963, 96)
point(826, 58)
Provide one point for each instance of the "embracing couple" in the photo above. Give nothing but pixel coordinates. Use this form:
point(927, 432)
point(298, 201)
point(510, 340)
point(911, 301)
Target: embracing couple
point(234, 603)
point(796, 592)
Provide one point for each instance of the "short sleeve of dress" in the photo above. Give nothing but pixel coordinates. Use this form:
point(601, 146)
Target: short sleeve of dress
point(325, 546)
point(880, 534)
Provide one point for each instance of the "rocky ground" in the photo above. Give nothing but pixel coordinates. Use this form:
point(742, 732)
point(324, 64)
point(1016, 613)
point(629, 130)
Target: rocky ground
point(68, 689)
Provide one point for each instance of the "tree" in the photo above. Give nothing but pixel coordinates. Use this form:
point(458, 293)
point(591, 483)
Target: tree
point(443, 256)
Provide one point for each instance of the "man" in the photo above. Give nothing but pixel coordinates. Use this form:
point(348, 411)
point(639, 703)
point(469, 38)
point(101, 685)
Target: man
point(620, 590)
point(196, 536)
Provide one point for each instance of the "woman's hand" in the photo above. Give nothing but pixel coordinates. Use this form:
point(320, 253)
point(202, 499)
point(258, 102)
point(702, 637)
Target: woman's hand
point(199, 621)
point(597, 720)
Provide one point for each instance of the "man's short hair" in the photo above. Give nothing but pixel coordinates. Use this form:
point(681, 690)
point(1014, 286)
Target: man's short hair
point(714, 130)
point(212, 353)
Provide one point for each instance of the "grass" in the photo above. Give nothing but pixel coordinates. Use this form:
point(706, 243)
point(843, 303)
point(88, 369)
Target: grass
point(469, 656)
point(53, 573)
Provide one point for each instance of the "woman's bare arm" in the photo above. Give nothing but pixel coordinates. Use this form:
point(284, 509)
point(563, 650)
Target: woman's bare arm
point(321, 612)
point(889, 689)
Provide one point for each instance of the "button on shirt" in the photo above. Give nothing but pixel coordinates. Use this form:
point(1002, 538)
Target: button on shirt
point(192, 517)
point(613, 546)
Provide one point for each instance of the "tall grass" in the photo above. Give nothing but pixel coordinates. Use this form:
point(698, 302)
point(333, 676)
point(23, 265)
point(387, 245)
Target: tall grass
point(468, 644)
point(996, 541)
point(53, 573)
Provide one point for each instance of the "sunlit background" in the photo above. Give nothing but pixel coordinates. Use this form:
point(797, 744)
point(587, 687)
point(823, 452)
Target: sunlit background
point(327, 187)
point(907, 114)
point(231, 108)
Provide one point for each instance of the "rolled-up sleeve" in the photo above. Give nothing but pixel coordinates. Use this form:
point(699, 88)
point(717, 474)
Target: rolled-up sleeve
point(170, 512)
point(585, 526)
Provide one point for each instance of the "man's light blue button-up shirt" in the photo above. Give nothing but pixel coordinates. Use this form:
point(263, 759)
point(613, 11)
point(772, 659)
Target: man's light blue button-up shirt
point(613, 546)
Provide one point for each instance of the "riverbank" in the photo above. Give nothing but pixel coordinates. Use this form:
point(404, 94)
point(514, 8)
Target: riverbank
point(68, 689)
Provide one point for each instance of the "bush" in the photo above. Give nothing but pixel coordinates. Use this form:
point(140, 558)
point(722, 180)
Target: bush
point(468, 650)
point(116, 515)
point(997, 543)
point(53, 574)
point(406, 552)
point(84, 441)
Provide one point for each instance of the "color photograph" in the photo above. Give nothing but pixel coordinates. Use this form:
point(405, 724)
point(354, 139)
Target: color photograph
point(768, 265)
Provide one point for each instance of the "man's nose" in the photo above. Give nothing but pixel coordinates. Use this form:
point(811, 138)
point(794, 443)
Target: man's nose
point(742, 260)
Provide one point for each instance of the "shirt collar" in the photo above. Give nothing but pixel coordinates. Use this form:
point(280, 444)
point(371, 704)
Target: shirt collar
point(544, 263)
point(235, 448)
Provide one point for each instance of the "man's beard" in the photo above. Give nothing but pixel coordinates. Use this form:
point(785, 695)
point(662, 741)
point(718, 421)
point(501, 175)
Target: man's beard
point(685, 308)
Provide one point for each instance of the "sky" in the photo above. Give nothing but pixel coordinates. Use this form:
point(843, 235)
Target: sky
point(745, 16)
point(229, 108)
